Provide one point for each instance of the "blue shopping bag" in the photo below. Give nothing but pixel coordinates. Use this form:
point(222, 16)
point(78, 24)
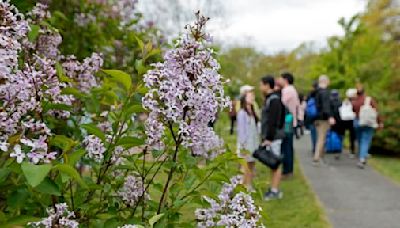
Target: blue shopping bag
point(334, 142)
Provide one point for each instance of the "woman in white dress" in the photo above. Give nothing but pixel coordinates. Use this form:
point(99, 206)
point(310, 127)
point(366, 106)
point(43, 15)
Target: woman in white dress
point(248, 138)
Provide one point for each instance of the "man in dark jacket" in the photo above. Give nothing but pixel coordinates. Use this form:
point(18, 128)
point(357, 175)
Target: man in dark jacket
point(272, 121)
point(325, 116)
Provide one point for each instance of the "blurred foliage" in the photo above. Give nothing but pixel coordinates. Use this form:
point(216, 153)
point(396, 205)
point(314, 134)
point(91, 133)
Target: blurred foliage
point(123, 47)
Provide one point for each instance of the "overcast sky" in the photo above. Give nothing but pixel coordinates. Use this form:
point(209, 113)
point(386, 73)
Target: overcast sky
point(274, 25)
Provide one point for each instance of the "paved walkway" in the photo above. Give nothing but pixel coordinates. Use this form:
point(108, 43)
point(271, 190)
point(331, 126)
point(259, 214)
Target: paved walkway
point(352, 198)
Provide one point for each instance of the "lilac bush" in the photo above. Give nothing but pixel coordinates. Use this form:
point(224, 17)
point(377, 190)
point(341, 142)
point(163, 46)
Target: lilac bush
point(90, 146)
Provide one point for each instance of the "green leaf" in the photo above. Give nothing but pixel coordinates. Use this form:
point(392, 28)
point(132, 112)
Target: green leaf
point(94, 130)
point(140, 43)
point(75, 156)
point(62, 142)
point(129, 142)
point(49, 187)
point(155, 219)
point(121, 77)
point(4, 174)
point(19, 221)
point(70, 171)
point(73, 91)
point(35, 174)
point(61, 75)
point(60, 15)
point(53, 106)
point(135, 109)
point(17, 199)
point(33, 34)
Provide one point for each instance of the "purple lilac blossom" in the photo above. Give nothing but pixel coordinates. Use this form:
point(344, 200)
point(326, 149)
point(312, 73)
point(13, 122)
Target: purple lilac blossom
point(94, 147)
point(187, 90)
point(132, 190)
point(230, 210)
point(59, 216)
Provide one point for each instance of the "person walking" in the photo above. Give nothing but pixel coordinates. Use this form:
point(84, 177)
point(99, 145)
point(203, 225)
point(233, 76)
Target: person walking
point(301, 114)
point(367, 120)
point(311, 115)
point(348, 116)
point(334, 141)
point(290, 99)
point(248, 136)
point(272, 121)
point(324, 117)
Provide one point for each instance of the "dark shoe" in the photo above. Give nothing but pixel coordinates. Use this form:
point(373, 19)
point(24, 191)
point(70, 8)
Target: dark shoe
point(270, 195)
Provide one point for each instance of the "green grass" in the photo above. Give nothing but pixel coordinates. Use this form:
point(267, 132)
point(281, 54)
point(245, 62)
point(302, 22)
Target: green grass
point(388, 166)
point(299, 207)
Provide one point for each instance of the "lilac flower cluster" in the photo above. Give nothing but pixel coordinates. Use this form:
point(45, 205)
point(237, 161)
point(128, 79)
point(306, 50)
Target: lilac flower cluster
point(48, 39)
point(24, 91)
point(132, 190)
point(126, 10)
point(231, 210)
point(94, 147)
point(59, 216)
point(84, 19)
point(187, 90)
point(83, 73)
point(13, 28)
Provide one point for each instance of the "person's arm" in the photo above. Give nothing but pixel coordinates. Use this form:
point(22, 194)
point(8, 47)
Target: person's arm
point(273, 117)
point(241, 128)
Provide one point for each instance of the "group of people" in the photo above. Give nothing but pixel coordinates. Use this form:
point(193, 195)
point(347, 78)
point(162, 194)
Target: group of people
point(328, 119)
point(284, 112)
point(272, 126)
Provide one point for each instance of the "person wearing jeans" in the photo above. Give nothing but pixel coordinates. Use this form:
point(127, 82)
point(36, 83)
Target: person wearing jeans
point(364, 133)
point(291, 101)
point(325, 117)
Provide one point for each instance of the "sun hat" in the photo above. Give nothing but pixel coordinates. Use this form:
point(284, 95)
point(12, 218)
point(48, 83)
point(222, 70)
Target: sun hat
point(246, 88)
point(351, 93)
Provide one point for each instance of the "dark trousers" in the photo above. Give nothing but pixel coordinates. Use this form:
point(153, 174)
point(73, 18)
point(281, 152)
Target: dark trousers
point(233, 120)
point(348, 125)
point(288, 154)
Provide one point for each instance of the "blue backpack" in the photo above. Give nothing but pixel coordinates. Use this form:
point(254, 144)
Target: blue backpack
point(334, 142)
point(311, 110)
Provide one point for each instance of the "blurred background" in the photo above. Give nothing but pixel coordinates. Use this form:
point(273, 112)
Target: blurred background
point(349, 40)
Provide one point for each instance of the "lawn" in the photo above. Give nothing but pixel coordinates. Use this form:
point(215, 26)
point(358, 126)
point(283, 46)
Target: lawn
point(387, 165)
point(299, 207)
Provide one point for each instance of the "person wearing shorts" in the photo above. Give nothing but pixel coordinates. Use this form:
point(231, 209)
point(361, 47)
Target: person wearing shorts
point(272, 121)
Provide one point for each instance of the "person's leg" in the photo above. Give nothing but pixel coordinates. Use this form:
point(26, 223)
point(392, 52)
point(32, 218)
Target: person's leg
point(367, 134)
point(322, 129)
point(290, 154)
point(313, 134)
point(285, 154)
point(276, 176)
point(248, 175)
point(352, 138)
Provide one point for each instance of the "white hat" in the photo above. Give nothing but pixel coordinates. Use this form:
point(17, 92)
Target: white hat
point(246, 88)
point(351, 93)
